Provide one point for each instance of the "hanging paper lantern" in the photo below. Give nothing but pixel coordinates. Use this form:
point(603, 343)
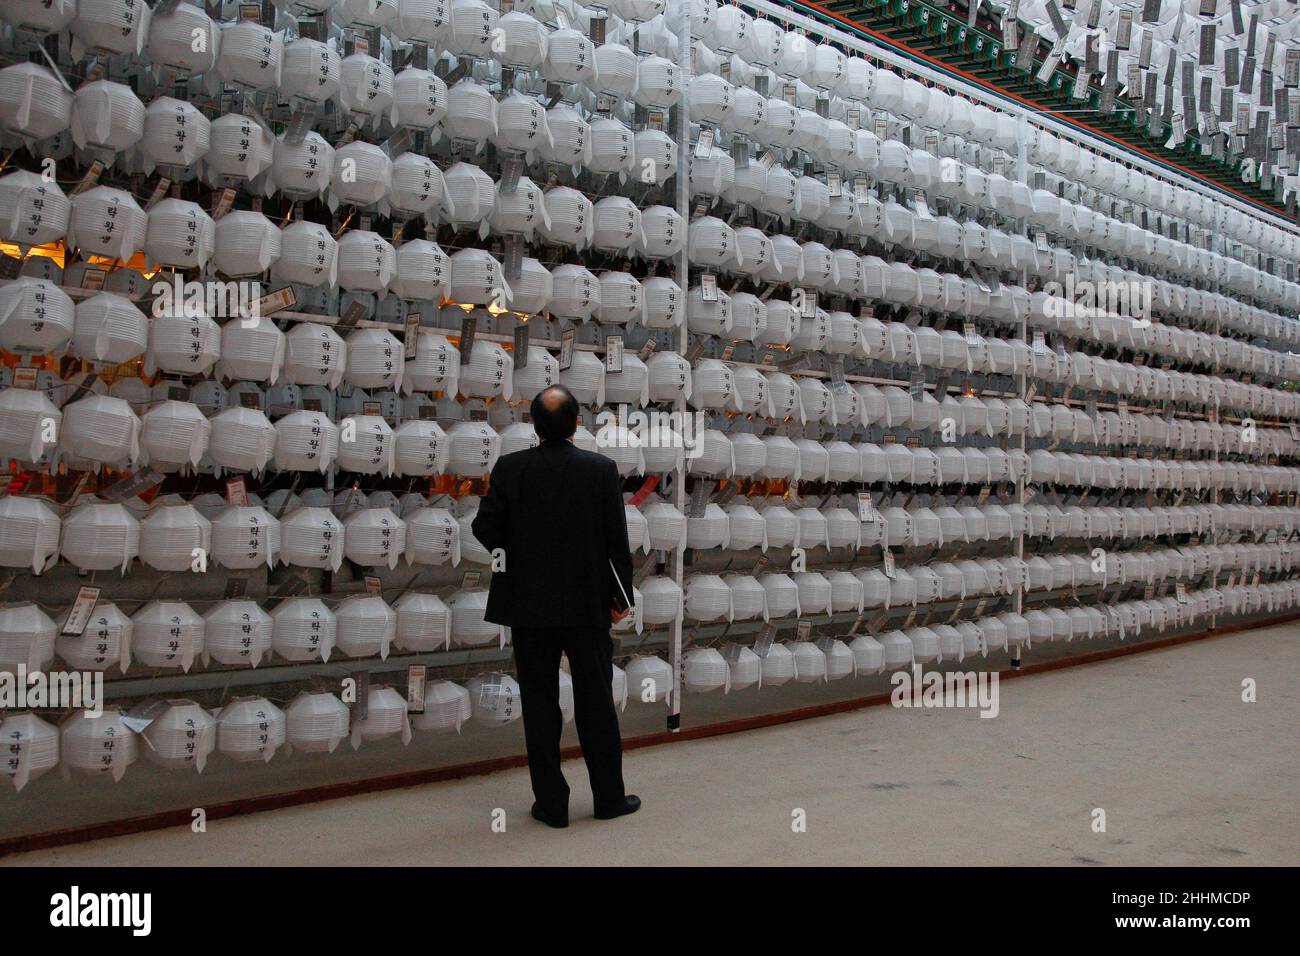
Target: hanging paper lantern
point(34, 104)
point(107, 116)
point(251, 55)
point(237, 634)
point(314, 355)
point(29, 425)
point(101, 744)
point(366, 626)
point(432, 537)
point(420, 97)
point(423, 623)
point(316, 723)
point(100, 429)
point(32, 211)
point(242, 439)
point(365, 262)
point(36, 316)
point(99, 537)
point(570, 57)
point(173, 537)
point(166, 634)
point(175, 134)
point(302, 170)
point(245, 537)
point(183, 343)
point(371, 449)
point(29, 533)
point(446, 707)
point(26, 639)
point(374, 537)
point(303, 629)
point(109, 328)
point(251, 730)
point(311, 71)
point(239, 147)
point(306, 441)
point(180, 234)
point(649, 678)
point(31, 748)
point(41, 17)
point(362, 175)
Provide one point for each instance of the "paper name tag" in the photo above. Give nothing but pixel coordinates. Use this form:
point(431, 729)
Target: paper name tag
point(82, 608)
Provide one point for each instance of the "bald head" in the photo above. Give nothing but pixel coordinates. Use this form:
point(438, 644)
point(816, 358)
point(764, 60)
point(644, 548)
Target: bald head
point(555, 414)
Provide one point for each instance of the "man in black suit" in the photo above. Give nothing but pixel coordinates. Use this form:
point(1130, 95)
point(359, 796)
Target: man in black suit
point(557, 513)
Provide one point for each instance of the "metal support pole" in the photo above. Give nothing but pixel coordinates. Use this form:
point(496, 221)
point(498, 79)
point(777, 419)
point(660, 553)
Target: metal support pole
point(682, 133)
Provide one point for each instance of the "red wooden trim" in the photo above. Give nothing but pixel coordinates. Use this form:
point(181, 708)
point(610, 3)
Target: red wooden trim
point(412, 778)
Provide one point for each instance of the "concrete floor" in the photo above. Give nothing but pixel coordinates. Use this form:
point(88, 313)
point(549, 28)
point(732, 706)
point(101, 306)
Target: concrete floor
point(1186, 773)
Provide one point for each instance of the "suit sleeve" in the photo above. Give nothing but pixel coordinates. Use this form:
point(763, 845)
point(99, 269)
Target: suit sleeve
point(615, 522)
point(491, 523)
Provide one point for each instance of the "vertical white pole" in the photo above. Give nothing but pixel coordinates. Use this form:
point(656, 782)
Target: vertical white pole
point(1022, 386)
point(682, 134)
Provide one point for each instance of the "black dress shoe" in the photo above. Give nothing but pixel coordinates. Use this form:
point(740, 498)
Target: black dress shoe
point(630, 804)
point(558, 822)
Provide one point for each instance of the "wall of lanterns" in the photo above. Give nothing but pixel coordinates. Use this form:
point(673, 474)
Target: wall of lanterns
point(924, 425)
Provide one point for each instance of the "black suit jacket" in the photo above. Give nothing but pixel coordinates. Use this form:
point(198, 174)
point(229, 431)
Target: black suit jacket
point(557, 512)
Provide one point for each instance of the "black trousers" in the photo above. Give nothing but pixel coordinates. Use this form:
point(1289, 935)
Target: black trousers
point(537, 666)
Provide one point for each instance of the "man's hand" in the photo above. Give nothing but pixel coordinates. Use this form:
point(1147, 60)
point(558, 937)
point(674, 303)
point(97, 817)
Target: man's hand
point(618, 617)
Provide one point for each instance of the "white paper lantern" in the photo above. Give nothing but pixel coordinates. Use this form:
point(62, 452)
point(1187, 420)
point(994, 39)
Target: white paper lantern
point(173, 537)
point(36, 316)
point(237, 634)
point(100, 429)
point(316, 723)
point(39, 17)
point(32, 210)
point(180, 234)
point(471, 111)
point(29, 533)
point(242, 439)
point(245, 537)
point(363, 174)
point(183, 343)
point(375, 537)
point(239, 147)
point(251, 730)
point(251, 55)
point(101, 744)
point(303, 629)
point(423, 622)
point(366, 626)
point(31, 748)
point(778, 665)
point(314, 355)
point(34, 104)
point(659, 83)
point(303, 169)
point(166, 634)
point(306, 441)
point(26, 640)
point(29, 425)
point(612, 147)
point(175, 134)
point(446, 707)
point(420, 97)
